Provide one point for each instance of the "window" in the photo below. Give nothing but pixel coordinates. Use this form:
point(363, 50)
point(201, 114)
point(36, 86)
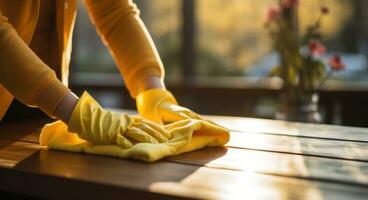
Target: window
point(229, 36)
point(224, 44)
point(162, 19)
point(233, 41)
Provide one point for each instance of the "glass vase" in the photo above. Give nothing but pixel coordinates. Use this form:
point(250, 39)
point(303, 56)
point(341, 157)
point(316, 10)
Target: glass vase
point(301, 108)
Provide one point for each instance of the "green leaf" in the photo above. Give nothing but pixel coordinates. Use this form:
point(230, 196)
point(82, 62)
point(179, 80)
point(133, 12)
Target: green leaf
point(275, 71)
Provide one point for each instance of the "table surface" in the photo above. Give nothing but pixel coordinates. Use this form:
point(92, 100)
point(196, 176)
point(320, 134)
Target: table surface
point(265, 159)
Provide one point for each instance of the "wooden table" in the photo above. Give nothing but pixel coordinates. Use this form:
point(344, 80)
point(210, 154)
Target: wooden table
point(264, 159)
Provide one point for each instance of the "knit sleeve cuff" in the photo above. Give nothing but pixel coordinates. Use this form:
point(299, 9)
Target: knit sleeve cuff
point(50, 96)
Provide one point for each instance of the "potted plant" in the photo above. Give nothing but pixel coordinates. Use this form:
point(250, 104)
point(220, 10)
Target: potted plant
point(301, 67)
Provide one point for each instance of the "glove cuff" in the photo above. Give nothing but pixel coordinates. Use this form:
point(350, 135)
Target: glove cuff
point(91, 122)
point(85, 102)
point(149, 101)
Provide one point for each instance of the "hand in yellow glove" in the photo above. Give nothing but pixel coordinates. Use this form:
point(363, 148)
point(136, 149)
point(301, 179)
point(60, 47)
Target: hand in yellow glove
point(159, 105)
point(100, 126)
point(187, 135)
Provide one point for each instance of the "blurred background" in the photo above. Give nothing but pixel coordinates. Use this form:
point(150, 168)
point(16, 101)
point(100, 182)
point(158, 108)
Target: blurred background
point(217, 56)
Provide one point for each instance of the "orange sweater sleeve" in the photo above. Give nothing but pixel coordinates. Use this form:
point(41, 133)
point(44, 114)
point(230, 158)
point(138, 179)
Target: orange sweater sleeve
point(24, 75)
point(122, 30)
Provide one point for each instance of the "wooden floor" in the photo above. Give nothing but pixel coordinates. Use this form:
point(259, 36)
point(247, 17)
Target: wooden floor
point(264, 159)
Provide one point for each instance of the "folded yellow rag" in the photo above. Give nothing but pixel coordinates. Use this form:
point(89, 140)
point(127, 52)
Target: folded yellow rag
point(187, 135)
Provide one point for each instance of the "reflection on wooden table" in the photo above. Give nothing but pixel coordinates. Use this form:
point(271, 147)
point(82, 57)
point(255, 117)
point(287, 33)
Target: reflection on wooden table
point(265, 159)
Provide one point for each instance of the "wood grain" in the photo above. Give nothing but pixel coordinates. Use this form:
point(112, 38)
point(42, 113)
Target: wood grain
point(278, 164)
point(168, 178)
point(28, 131)
point(246, 160)
point(277, 127)
point(12, 152)
point(264, 159)
point(348, 150)
point(304, 146)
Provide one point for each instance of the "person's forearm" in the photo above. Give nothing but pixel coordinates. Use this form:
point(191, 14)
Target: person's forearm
point(122, 30)
point(65, 108)
point(25, 75)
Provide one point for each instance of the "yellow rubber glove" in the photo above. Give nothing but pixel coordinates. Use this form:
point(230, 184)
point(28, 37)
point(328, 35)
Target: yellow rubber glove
point(99, 126)
point(160, 105)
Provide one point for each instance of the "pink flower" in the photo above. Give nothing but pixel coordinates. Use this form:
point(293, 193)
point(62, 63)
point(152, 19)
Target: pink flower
point(289, 3)
point(316, 48)
point(336, 63)
point(325, 10)
point(273, 13)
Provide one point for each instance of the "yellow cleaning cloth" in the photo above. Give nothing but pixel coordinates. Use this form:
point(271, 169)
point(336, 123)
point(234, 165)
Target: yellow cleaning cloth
point(187, 135)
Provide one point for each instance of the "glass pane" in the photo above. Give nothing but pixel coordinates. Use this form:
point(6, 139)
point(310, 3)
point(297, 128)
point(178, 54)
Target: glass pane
point(162, 19)
point(231, 35)
point(344, 32)
point(232, 39)
point(89, 53)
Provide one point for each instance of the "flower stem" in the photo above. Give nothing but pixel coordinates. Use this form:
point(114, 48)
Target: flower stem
point(323, 80)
